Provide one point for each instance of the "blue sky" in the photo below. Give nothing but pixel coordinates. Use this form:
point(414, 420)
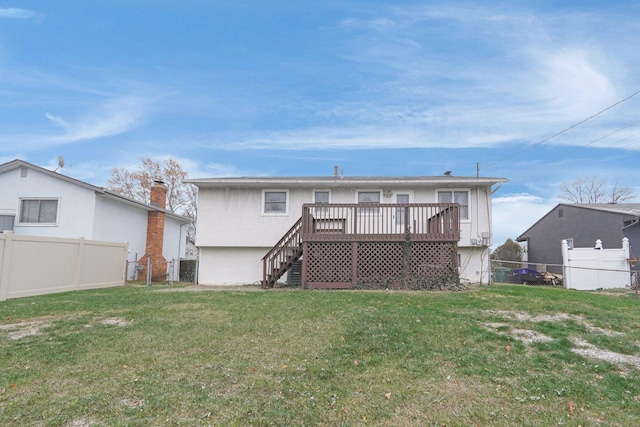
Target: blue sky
point(238, 88)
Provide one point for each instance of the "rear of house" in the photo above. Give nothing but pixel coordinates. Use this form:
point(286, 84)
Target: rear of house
point(241, 219)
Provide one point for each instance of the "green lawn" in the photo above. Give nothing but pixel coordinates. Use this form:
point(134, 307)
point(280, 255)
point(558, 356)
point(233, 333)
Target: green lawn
point(492, 356)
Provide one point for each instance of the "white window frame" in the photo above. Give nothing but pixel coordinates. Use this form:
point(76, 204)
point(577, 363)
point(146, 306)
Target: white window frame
point(320, 210)
point(38, 224)
point(364, 209)
point(275, 213)
point(453, 191)
point(321, 191)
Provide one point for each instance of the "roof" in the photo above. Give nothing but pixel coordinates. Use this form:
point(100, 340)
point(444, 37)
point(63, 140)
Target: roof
point(341, 181)
point(15, 164)
point(627, 209)
point(621, 208)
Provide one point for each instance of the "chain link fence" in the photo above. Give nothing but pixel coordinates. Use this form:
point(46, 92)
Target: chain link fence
point(540, 274)
point(145, 269)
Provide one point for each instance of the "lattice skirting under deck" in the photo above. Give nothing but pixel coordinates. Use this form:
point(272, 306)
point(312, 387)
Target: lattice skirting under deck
point(351, 264)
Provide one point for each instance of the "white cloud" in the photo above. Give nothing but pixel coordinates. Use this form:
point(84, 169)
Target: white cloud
point(575, 81)
point(114, 117)
point(16, 13)
point(513, 214)
point(58, 120)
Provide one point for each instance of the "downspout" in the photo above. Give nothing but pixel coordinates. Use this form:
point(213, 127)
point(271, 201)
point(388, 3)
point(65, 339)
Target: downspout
point(477, 221)
point(181, 242)
point(490, 218)
point(497, 188)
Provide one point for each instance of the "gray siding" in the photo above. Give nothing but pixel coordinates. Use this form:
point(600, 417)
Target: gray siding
point(583, 225)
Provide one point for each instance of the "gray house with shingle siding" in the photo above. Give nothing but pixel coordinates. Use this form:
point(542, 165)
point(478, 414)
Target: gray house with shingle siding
point(584, 224)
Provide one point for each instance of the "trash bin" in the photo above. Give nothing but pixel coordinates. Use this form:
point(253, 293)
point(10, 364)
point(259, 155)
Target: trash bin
point(501, 274)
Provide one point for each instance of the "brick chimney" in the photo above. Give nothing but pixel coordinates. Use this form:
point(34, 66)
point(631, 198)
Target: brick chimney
point(155, 236)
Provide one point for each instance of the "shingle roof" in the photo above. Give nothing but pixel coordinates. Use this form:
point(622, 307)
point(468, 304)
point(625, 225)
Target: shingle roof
point(622, 208)
point(14, 164)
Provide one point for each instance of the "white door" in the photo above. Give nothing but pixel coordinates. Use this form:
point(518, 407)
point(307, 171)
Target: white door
point(400, 212)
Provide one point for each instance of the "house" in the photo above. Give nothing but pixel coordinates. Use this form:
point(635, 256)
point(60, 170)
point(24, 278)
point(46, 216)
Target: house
point(40, 202)
point(251, 230)
point(581, 225)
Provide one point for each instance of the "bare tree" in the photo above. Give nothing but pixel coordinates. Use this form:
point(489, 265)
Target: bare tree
point(181, 198)
point(593, 189)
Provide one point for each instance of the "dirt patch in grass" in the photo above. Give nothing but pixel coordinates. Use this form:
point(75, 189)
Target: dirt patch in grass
point(115, 321)
point(81, 422)
point(589, 350)
point(521, 316)
point(582, 347)
point(16, 331)
point(19, 330)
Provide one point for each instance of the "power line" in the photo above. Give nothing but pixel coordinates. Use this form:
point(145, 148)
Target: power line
point(563, 131)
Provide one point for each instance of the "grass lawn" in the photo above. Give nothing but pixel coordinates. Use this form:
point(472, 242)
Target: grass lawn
point(503, 355)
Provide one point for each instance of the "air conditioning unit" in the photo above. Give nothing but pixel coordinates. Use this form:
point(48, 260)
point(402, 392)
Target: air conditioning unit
point(477, 241)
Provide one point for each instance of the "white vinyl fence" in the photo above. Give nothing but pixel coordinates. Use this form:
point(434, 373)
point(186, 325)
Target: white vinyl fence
point(597, 267)
point(34, 265)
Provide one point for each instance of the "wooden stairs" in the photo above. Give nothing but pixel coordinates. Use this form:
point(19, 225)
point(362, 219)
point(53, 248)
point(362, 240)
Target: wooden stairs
point(282, 256)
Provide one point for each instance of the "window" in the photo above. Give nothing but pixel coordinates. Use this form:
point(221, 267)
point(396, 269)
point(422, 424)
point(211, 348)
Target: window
point(321, 197)
point(6, 222)
point(275, 202)
point(39, 211)
point(460, 197)
point(569, 243)
point(368, 197)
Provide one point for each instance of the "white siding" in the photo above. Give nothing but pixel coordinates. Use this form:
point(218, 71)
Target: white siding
point(75, 204)
point(175, 237)
point(118, 222)
point(474, 265)
point(230, 266)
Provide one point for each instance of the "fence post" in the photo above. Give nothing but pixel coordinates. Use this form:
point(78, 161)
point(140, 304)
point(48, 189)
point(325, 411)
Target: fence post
point(566, 268)
point(5, 264)
point(149, 271)
point(76, 276)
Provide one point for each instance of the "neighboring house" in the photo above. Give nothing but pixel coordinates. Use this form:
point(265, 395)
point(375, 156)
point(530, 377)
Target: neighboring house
point(40, 202)
point(329, 222)
point(191, 250)
point(581, 225)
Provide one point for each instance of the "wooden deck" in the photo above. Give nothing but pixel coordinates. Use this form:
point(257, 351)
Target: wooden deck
point(342, 244)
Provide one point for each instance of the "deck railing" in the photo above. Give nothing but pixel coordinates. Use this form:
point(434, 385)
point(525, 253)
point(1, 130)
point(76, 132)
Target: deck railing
point(385, 222)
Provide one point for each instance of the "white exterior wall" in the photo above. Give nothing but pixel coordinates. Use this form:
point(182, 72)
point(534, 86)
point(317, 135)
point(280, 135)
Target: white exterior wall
point(474, 265)
point(230, 266)
point(75, 204)
point(234, 234)
point(114, 221)
point(118, 222)
point(175, 238)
